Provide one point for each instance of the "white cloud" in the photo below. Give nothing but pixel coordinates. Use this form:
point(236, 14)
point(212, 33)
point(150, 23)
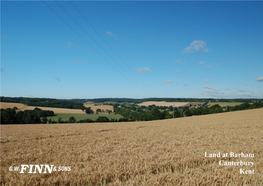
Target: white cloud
point(78, 62)
point(176, 82)
point(4, 36)
point(259, 79)
point(186, 84)
point(196, 46)
point(201, 63)
point(207, 80)
point(1, 70)
point(142, 70)
point(168, 81)
point(57, 78)
point(177, 70)
point(70, 44)
point(111, 34)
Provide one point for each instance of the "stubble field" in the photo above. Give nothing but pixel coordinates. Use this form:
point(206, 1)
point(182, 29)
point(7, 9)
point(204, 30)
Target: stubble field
point(163, 152)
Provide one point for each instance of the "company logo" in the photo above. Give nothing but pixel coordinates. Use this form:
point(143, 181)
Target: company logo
point(33, 169)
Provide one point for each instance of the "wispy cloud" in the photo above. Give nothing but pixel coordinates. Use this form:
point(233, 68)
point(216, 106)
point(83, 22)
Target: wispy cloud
point(259, 79)
point(57, 78)
point(211, 90)
point(186, 84)
point(201, 63)
point(207, 80)
point(70, 44)
point(209, 66)
point(180, 61)
point(78, 62)
point(111, 34)
point(1, 70)
point(4, 36)
point(177, 70)
point(142, 70)
point(176, 82)
point(168, 81)
point(242, 90)
point(196, 46)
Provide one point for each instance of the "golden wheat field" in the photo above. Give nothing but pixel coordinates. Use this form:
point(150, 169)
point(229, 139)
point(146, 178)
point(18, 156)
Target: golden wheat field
point(163, 152)
point(163, 103)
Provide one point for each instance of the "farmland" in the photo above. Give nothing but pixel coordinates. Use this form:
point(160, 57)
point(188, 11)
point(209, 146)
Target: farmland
point(224, 104)
point(66, 117)
point(170, 152)
point(95, 106)
point(163, 103)
point(23, 107)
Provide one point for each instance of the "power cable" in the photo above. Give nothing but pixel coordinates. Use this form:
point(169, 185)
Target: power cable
point(88, 43)
point(110, 47)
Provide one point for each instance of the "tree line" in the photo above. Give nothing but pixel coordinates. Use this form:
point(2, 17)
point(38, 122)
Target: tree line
point(44, 102)
point(10, 116)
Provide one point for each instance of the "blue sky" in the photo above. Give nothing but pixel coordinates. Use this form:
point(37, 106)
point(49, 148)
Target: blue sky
point(164, 49)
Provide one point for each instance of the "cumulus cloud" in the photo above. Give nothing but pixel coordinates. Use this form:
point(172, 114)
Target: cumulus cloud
point(196, 46)
point(78, 62)
point(186, 84)
point(142, 70)
point(259, 79)
point(201, 63)
point(57, 78)
point(207, 80)
point(111, 34)
point(177, 70)
point(168, 81)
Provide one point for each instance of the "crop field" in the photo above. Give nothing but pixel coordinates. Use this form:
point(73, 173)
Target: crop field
point(224, 104)
point(23, 107)
point(163, 152)
point(78, 117)
point(95, 107)
point(163, 103)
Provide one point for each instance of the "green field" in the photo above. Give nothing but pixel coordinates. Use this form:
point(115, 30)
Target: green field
point(65, 117)
point(223, 104)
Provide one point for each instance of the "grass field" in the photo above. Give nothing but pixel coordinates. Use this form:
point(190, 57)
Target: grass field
point(163, 152)
point(78, 117)
point(163, 103)
point(224, 104)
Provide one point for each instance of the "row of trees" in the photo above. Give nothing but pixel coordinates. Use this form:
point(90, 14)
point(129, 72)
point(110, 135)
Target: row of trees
point(73, 120)
point(218, 109)
point(10, 116)
point(44, 102)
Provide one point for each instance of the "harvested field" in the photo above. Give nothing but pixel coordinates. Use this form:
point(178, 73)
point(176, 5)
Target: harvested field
point(163, 103)
point(163, 152)
point(99, 106)
point(23, 107)
point(194, 103)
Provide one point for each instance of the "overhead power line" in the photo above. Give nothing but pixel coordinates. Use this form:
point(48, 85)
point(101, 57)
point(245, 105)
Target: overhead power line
point(111, 47)
point(100, 46)
point(89, 44)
